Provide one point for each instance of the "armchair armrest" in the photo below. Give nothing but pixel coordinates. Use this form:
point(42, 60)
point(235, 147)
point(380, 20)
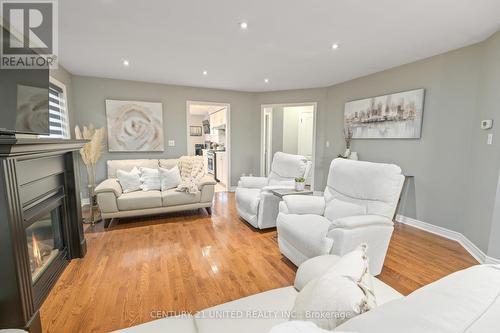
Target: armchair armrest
point(253, 182)
point(110, 185)
point(303, 204)
point(359, 221)
point(206, 180)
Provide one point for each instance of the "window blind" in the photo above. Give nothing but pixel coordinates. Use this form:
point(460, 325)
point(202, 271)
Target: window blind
point(58, 113)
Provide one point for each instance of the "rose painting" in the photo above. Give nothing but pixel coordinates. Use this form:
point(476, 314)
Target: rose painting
point(134, 126)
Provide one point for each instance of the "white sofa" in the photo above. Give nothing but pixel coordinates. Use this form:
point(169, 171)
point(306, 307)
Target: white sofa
point(467, 301)
point(358, 206)
point(254, 201)
point(113, 203)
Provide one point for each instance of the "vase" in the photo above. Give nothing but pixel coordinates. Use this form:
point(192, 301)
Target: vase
point(353, 156)
point(300, 186)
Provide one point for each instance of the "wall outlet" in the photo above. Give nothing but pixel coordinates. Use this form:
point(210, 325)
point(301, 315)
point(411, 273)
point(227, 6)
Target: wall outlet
point(327, 144)
point(490, 139)
point(171, 143)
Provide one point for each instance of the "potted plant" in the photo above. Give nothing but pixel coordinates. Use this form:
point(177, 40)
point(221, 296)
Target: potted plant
point(300, 183)
point(348, 138)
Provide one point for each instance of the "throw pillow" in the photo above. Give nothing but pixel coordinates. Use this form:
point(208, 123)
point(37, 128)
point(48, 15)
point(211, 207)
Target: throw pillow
point(130, 181)
point(340, 294)
point(170, 178)
point(337, 209)
point(150, 179)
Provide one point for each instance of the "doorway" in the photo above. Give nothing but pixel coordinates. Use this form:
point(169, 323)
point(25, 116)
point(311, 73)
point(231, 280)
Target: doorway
point(208, 135)
point(290, 128)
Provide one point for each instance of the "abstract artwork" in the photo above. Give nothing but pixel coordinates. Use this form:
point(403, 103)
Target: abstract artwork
point(394, 116)
point(134, 126)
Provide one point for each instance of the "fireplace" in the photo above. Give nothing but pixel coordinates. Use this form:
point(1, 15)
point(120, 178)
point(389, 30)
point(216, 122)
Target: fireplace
point(45, 242)
point(40, 224)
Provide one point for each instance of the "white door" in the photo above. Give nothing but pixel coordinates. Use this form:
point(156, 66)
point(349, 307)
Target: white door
point(305, 135)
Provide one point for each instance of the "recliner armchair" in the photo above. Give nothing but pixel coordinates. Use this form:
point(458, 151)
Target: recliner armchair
point(254, 201)
point(358, 206)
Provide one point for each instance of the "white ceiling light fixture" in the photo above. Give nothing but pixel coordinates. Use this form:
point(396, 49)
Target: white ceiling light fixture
point(205, 73)
point(335, 46)
point(126, 63)
point(243, 25)
point(266, 80)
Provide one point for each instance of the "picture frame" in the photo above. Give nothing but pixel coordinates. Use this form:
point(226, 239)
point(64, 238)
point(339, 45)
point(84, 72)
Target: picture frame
point(195, 130)
point(393, 116)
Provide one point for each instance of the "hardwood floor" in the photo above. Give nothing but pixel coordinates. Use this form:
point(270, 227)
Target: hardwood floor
point(189, 261)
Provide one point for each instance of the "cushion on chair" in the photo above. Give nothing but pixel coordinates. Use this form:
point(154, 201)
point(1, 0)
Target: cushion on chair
point(377, 186)
point(127, 165)
point(173, 198)
point(307, 233)
point(287, 166)
point(139, 200)
point(336, 209)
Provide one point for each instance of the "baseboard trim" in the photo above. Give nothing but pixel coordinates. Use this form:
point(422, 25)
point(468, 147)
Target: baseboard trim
point(450, 234)
point(232, 188)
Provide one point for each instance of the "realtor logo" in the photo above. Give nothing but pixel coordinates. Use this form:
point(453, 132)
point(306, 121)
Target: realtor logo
point(29, 34)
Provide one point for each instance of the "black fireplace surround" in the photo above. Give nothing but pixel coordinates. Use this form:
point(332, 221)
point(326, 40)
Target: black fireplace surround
point(40, 224)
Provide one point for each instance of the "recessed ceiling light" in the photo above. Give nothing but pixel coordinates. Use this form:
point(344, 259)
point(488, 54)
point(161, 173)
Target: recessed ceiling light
point(205, 73)
point(126, 63)
point(335, 46)
point(244, 25)
point(266, 80)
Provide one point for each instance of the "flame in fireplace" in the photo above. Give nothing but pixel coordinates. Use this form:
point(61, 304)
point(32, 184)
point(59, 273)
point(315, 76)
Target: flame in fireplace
point(37, 255)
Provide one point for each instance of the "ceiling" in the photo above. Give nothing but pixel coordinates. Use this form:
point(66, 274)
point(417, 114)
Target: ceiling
point(203, 109)
point(287, 41)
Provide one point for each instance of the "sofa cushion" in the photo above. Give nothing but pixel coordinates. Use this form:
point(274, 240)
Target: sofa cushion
point(130, 181)
point(168, 163)
point(172, 197)
point(127, 165)
point(307, 233)
point(253, 314)
point(139, 200)
point(170, 178)
point(464, 301)
point(150, 179)
point(181, 324)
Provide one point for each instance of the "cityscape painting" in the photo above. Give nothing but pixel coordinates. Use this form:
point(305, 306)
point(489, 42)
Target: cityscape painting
point(394, 116)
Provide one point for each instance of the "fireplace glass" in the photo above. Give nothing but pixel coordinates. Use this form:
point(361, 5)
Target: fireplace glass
point(44, 240)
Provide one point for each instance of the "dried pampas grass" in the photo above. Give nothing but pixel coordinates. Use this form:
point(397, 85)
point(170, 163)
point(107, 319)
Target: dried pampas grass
point(91, 152)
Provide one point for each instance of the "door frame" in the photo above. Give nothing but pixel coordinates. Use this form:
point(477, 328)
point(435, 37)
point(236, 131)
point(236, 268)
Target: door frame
point(228, 132)
point(263, 141)
point(284, 105)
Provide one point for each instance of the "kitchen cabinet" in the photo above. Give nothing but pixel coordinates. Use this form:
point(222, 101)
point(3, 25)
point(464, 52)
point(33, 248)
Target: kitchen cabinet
point(221, 166)
point(218, 118)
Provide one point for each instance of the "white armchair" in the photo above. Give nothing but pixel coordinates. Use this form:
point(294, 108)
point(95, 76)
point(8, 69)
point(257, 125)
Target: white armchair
point(358, 206)
point(254, 201)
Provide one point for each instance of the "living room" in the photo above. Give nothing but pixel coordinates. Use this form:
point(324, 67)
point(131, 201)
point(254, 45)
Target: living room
point(146, 186)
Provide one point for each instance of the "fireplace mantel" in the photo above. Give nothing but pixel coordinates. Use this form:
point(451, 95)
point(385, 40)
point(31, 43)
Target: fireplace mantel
point(37, 177)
